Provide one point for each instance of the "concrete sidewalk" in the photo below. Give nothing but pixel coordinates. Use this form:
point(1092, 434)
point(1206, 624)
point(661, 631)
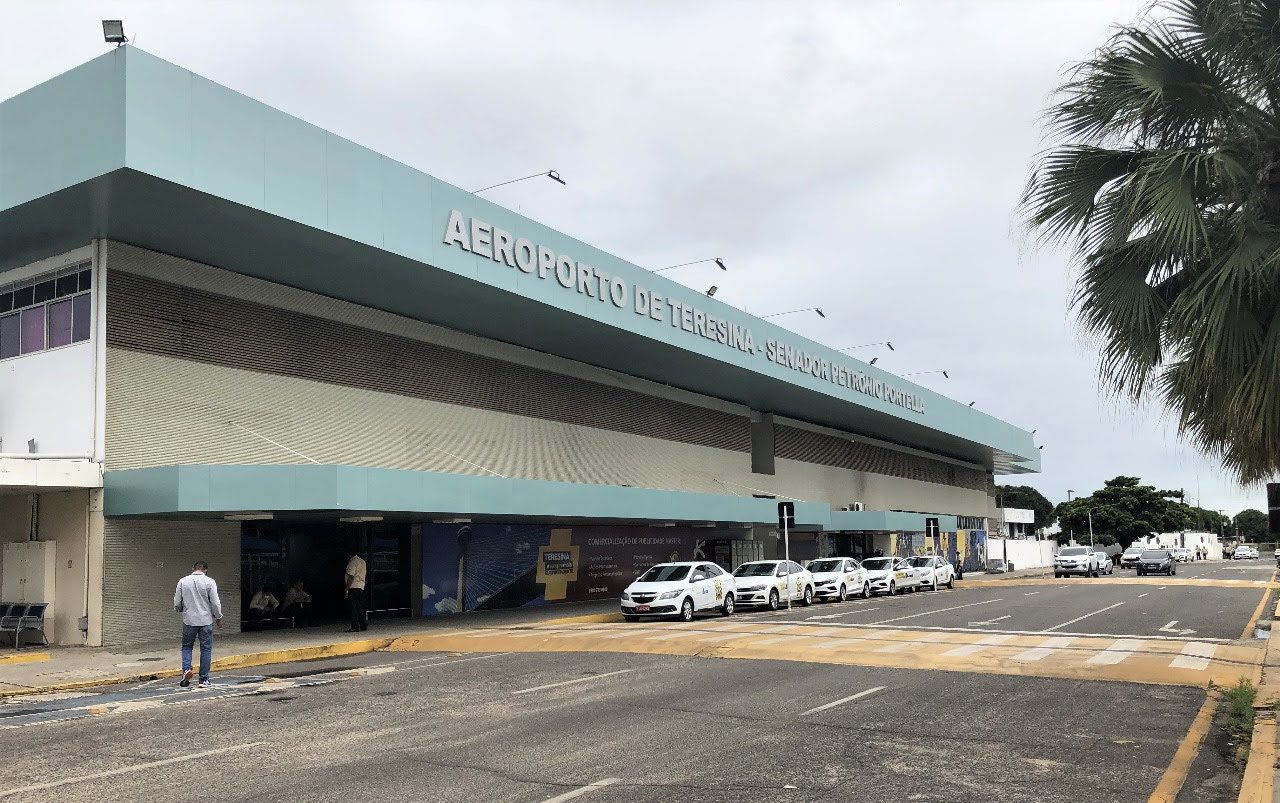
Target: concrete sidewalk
point(28, 671)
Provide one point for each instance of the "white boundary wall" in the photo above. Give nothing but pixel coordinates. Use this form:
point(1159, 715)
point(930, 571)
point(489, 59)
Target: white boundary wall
point(1022, 553)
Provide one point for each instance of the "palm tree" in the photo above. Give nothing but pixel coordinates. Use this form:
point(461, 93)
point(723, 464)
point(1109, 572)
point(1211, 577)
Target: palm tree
point(1165, 182)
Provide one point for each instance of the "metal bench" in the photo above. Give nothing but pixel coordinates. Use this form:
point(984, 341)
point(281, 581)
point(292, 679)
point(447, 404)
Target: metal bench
point(18, 618)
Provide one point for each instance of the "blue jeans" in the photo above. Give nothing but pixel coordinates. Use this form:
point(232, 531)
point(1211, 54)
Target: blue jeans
point(189, 633)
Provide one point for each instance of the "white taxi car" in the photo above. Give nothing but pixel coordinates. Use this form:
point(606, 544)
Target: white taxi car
point(769, 582)
point(838, 579)
point(680, 589)
point(891, 575)
point(934, 571)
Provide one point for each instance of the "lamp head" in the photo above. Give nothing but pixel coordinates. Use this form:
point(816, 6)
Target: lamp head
point(711, 291)
point(874, 359)
point(946, 375)
point(720, 262)
point(113, 32)
point(554, 176)
point(821, 314)
point(890, 345)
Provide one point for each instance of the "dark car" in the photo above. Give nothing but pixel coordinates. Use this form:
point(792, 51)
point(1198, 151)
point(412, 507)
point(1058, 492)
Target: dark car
point(1157, 561)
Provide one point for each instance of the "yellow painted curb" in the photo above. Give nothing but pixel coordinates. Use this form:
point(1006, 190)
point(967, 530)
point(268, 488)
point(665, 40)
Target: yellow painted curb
point(1260, 773)
point(590, 618)
point(332, 650)
point(1175, 775)
point(24, 658)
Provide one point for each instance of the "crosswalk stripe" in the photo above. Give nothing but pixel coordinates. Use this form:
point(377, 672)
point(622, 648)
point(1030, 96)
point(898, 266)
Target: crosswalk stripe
point(897, 646)
point(1048, 647)
point(633, 632)
point(669, 636)
point(1117, 652)
point(970, 649)
point(762, 642)
point(1194, 656)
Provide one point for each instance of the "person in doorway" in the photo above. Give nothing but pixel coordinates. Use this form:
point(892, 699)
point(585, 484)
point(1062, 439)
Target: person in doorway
point(263, 605)
point(355, 576)
point(196, 598)
point(297, 604)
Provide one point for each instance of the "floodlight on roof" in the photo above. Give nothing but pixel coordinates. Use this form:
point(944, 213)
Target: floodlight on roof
point(719, 263)
point(113, 32)
point(711, 291)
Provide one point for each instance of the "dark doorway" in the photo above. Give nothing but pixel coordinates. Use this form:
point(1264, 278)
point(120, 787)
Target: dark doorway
point(274, 554)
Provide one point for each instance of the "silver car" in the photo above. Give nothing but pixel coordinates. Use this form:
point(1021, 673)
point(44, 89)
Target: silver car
point(1076, 560)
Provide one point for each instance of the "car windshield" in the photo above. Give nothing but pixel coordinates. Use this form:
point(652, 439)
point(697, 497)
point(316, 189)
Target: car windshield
point(1155, 554)
point(825, 566)
point(1133, 551)
point(921, 561)
point(1075, 550)
point(754, 570)
point(877, 564)
point(664, 574)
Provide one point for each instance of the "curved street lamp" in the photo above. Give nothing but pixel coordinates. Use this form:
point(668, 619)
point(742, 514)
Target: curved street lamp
point(551, 174)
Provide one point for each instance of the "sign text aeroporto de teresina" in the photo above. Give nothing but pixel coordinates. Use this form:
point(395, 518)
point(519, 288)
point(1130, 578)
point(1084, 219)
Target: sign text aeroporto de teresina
point(485, 240)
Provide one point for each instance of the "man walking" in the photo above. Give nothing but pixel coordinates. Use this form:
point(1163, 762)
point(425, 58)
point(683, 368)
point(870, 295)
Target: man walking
point(196, 598)
point(355, 574)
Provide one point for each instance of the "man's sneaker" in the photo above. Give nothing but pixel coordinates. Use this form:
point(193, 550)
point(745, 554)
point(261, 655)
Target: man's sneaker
point(186, 678)
point(204, 684)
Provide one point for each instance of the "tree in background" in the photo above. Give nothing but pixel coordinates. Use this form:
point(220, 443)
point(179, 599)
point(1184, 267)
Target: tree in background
point(1165, 181)
point(1124, 509)
point(1252, 524)
point(1208, 521)
point(1027, 498)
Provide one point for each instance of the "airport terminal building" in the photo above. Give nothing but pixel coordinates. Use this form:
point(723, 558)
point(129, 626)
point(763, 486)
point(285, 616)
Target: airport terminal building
point(229, 335)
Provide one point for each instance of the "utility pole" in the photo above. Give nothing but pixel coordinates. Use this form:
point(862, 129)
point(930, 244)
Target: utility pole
point(1091, 527)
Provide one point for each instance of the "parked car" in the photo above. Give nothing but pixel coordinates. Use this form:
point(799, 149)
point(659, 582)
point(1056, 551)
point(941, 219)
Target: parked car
point(1129, 560)
point(1245, 552)
point(838, 578)
point(1105, 566)
point(770, 583)
point(1076, 560)
point(934, 571)
point(679, 589)
point(1182, 555)
point(1157, 561)
point(891, 575)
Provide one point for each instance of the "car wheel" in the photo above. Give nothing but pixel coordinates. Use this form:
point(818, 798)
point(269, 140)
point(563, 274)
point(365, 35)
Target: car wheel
point(866, 591)
point(843, 595)
point(1057, 575)
point(630, 618)
point(686, 610)
point(951, 582)
point(893, 588)
point(808, 596)
point(774, 602)
point(1172, 571)
point(727, 608)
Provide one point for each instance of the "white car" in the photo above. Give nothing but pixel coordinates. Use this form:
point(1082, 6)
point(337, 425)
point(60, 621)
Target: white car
point(1245, 553)
point(1183, 554)
point(1076, 560)
point(934, 570)
point(769, 583)
point(891, 575)
point(838, 579)
point(680, 589)
point(1105, 564)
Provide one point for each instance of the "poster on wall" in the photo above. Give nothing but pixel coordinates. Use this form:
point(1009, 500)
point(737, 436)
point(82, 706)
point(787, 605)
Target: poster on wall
point(472, 567)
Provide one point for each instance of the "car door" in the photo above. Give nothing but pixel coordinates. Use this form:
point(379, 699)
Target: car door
point(716, 580)
point(700, 589)
point(799, 578)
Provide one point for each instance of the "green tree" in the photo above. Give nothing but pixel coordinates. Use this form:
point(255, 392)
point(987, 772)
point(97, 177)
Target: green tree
point(1209, 521)
point(1252, 524)
point(1165, 182)
point(1027, 498)
point(1124, 509)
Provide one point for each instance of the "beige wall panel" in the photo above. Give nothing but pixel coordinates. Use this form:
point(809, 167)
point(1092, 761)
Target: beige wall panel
point(165, 411)
point(64, 519)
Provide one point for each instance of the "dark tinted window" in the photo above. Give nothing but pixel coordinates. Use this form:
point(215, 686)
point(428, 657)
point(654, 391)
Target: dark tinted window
point(10, 336)
point(24, 297)
point(32, 329)
point(86, 279)
point(44, 291)
point(66, 286)
point(60, 323)
point(6, 302)
point(83, 317)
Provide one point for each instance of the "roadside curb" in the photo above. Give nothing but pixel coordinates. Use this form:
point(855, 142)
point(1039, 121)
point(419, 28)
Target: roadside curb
point(24, 658)
point(591, 618)
point(1259, 782)
point(330, 650)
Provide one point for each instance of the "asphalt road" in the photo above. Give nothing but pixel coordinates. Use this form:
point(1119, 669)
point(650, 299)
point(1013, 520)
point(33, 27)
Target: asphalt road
point(646, 727)
point(500, 729)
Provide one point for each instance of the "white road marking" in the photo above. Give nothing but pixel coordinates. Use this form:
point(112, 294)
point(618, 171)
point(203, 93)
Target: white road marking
point(721, 636)
point(896, 646)
point(941, 629)
point(575, 681)
point(1117, 652)
point(773, 640)
point(846, 613)
point(991, 621)
point(1140, 596)
point(1079, 618)
point(668, 636)
point(1030, 593)
point(843, 700)
point(125, 770)
point(626, 633)
point(582, 790)
point(1064, 586)
point(970, 649)
point(1169, 628)
point(1194, 656)
point(939, 610)
point(1048, 647)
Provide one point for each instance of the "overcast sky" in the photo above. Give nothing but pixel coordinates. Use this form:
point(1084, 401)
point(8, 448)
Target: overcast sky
point(862, 156)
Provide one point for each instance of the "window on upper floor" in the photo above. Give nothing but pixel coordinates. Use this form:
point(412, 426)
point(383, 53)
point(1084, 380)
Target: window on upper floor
point(46, 312)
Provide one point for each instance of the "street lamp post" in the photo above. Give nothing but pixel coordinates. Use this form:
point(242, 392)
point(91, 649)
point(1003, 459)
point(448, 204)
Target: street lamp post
point(818, 310)
point(719, 263)
point(551, 174)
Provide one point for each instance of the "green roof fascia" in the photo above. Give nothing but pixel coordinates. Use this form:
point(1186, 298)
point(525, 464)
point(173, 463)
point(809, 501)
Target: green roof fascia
point(216, 489)
point(887, 521)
